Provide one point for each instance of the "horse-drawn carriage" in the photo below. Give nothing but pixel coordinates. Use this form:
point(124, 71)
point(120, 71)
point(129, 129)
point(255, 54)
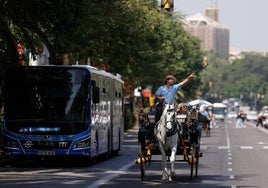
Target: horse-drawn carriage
point(176, 133)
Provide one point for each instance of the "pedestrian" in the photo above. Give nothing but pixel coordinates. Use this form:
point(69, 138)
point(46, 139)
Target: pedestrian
point(212, 121)
point(239, 122)
point(243, 116)
point(166, 93)
point(260, 118)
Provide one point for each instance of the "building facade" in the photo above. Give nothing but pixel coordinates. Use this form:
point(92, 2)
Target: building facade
point(213, 35)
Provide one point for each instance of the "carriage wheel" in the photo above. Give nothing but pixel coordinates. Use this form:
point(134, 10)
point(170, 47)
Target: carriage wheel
point(148, 155)
point(196, 166)
point(197, 163)
point(193, 161)
point(142, 162)
point(142, 168)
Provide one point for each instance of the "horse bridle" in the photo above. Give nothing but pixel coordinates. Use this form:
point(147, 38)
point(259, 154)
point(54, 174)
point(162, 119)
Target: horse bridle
point(173, 120)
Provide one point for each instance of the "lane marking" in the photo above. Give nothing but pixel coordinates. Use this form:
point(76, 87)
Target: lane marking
point(107, 178)
point(246, 147)
point(223, 147)
point(227, 137)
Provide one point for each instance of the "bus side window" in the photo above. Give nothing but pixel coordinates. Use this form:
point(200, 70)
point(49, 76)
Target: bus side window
point(95, 92)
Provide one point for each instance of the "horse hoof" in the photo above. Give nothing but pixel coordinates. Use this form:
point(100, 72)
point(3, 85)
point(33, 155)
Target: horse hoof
point(172, 176)
point(165, 178)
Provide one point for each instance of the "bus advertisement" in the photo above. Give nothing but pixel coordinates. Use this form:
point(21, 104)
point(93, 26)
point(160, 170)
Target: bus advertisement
point(62, 111)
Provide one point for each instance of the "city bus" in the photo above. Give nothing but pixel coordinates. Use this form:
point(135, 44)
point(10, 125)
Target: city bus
point(219, 110)
point(74, 110)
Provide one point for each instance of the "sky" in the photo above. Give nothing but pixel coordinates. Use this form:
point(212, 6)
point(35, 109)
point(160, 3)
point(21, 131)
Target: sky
point(247, 20)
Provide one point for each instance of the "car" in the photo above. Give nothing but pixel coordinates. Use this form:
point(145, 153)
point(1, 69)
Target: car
point(231, 115)
point(252, 116)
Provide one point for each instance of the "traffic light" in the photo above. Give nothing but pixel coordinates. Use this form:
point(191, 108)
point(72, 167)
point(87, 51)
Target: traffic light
point(167, 5)
point(205, 61)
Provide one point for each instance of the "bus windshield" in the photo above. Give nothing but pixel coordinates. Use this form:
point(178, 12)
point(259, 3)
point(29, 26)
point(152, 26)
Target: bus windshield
point(47, 100)
point(220, 111)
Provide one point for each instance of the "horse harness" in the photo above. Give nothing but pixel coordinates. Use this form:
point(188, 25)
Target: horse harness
point(174, 128)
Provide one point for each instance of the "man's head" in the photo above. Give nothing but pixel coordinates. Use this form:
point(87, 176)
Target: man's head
point(182, 108)
point(170, 77)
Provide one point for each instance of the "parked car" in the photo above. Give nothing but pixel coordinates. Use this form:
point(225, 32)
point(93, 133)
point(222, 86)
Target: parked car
point(252, 116)
point(231, 115)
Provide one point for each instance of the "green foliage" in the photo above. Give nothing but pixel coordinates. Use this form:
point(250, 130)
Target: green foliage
point(132, 37)
point(129, 119)
point(243, 78)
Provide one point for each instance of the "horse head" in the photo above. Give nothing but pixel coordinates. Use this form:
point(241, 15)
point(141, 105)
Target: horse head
point(170, 117)
point(167, 125)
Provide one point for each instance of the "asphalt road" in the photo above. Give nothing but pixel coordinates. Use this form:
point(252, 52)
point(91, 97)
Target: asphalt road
point(232, 157)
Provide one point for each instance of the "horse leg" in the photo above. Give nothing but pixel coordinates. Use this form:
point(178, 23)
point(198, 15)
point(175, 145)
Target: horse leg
point(165, 174)
point(173, 158)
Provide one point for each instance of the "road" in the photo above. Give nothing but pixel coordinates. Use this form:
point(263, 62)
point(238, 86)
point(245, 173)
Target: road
point(232, 157)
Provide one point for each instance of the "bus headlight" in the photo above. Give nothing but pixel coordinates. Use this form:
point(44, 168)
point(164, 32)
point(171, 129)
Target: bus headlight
point(82, 144)
point(11, 144)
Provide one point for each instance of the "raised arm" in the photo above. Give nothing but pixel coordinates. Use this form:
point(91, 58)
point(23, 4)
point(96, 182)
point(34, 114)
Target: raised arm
point(187, 79)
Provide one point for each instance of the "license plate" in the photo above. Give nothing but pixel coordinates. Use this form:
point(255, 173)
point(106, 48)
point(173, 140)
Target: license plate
point(46, 152)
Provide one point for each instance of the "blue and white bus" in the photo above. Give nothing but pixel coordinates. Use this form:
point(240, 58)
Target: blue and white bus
point(62, 111)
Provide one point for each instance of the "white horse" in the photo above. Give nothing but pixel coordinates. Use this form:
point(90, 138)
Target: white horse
point(166, 134)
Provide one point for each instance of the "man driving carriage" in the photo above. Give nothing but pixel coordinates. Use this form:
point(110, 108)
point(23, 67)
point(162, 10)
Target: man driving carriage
point(166, 134)
point(167, 92)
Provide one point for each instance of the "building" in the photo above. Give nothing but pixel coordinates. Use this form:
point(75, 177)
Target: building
point(213, 35)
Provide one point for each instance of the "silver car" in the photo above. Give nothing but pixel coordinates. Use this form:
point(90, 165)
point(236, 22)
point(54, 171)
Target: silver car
point(252, 116)
point(231, 115)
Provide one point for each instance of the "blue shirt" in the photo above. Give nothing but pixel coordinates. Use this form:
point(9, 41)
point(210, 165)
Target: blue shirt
point(168, 93)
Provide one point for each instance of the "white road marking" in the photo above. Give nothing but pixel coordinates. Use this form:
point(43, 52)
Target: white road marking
point(223, 147)
point(246, 147)
point(227, 137)
point(107, 178)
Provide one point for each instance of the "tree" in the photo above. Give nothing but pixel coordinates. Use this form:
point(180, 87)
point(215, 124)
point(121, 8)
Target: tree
point(129, 37)
point(243, 78)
